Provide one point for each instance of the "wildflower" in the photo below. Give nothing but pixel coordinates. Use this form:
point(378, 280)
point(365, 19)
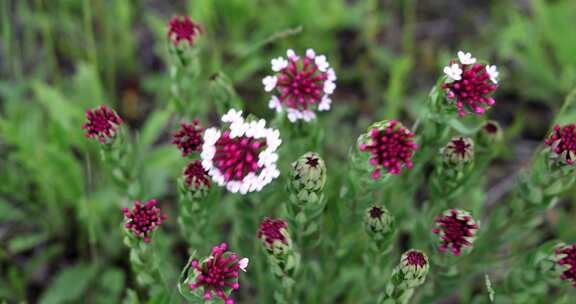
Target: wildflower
point(274, 234)
point(189, 137)
point(379, 223)
point(195, 180)
point(243, 156)
point(469, 85)
point(390, 145)
point(183, 29)
point(143, 219)
point(217, 274)
point(490, 133)
point(102, 123)
point(300, 85)
point(562, 142)
point(459, 150)
point(308, 177)
point(566, 257)
point(412, 270)
point(278, 245)
point(457, 230)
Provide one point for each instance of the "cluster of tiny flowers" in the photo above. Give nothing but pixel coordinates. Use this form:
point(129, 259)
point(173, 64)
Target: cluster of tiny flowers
point(457, 230)
point(563, 142)
point(302, 84)
point(189, 137)
point(102, 123)
point(219, 273)
point(390, 147)
point(196, 176)
point(242, 157)
point(567, 258)
point(183, 29)
point(270, 231)
point(143, 219)
point(470, 84)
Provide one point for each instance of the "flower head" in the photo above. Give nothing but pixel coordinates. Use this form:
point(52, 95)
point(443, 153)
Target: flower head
point(183, 29)
point(102, 123)
point(390, 145)
point(459, 150)
point(189, 137)
point(217, 274)
point(457, 230)
point(470, 84)
point(143, 219)
point(308, 177)
point(413, 268)
point(379, 223)
point(566, 257)
point(195, 175)
point(301, 85)
point(562, 142)
point(274, 234)
point(243, 156)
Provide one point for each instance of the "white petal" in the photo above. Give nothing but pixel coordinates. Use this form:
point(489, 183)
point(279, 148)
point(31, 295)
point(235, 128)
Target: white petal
point(321, 63)
point(292, 55)
point(275, 104)
point(466, 58)
point(331, 75)
point(279, 64)
point(269, 83)
point(232, 116)
point(310, 53)
point(308, 116)
point(329, 87)
point(453, 72)
point(325, 103)
point(492, 71)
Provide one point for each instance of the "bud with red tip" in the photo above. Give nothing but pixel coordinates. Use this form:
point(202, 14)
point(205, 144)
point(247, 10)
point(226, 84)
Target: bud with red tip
point(183, 29)
point(562, 143)
point(457, 231)
point(409, 274)
point(103, 123)
point(277, 242)
point(189, 137)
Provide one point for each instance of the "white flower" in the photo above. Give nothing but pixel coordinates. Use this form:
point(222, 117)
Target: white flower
point(454, 71)
point(310, 53)
point(279, 64)
point(331, 75)
point(275, 104)
point(262, 169)
point(321, 63)
point(329, 87)
point(493, 73)
point(292, 55)
point(466, 58)
point(232, 116)
point(308, 115)
point(325, 103)
point(269, 83)
point(293, 114)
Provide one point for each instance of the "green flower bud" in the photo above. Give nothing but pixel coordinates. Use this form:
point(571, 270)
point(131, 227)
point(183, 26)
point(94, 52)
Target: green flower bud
point(379, 224)
point(308, 178)
point(459, 151)
point(489, 134)
point(412, 270)
point(278, 245)
point(194, 183)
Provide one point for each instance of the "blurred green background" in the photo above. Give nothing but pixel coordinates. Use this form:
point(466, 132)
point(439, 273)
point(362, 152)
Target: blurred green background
point(59, 234)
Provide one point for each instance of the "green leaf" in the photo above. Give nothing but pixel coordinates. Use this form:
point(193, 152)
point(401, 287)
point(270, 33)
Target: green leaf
point(69, 285)
point(25, 242)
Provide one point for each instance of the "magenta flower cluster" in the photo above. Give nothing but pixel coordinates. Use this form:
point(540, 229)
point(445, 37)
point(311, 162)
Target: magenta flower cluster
point(271, 231)
point(180, 29)
point(390, 147)
point(563, 142)
point(196, 176)
point(189, 137)
point(456, 229)
point(143, 219)
point(102, 123)
point(218, 275)
point(567, 259)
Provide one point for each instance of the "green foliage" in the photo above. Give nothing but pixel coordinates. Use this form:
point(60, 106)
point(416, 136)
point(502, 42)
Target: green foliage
point(60, 202)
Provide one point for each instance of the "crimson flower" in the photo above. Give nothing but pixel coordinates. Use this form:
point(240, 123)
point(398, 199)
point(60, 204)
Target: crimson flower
point(143, 219)
point(102, 123)
point(183, 29)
